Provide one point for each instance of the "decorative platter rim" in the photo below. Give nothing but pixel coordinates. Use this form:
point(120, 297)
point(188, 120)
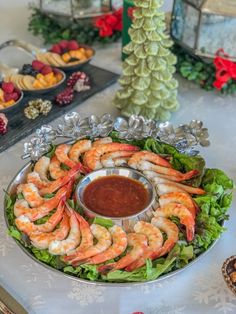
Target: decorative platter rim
point(86, 281)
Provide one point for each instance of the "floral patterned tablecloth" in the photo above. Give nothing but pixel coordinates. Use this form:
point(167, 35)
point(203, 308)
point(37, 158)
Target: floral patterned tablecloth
point(198, 289)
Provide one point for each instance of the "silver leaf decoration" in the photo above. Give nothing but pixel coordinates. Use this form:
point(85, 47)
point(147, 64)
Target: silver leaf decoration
point(47, 133)
point(71, 126)
point(36, 147)
point(186, 137)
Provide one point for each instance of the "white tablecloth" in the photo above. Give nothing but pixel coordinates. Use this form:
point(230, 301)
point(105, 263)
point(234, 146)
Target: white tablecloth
point(198, 289)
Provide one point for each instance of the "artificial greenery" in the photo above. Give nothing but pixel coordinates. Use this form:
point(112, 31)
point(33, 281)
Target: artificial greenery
point(54, 30)
point(200, 72)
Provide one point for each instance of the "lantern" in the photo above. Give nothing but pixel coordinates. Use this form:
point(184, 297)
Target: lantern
point(78, 9)
point(204, 26)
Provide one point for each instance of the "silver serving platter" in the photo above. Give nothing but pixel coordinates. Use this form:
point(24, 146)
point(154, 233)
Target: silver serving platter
point(11, 189)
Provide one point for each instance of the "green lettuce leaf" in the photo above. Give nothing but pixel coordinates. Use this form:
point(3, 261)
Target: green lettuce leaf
point(51, 151)
point(215, 182)
point(14, 233)
point(142, 274)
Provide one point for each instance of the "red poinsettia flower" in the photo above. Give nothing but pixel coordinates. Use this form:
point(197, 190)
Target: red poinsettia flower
point(109, 23)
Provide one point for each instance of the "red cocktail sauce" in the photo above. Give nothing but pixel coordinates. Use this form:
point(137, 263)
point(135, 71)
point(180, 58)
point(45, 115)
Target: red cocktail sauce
point(115, 196)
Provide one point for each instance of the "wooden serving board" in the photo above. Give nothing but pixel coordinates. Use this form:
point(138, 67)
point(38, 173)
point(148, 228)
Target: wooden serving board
point(20, 127)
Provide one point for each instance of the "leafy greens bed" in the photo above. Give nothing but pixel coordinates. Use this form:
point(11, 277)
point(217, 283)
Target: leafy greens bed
point(209, 221)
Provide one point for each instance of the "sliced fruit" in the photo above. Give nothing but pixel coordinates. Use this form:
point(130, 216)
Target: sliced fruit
point(28, 82)
point(59, 77)
point(58, 59)
point(41, 79)
point(1, 95)
point(42, 57)
point(66, 57)
point(38, 85)
point(82, 50)
point(8, 103)
point(89, 53)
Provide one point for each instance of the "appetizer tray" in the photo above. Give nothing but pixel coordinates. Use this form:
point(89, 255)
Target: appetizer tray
point(19, 126)
point(196, 230)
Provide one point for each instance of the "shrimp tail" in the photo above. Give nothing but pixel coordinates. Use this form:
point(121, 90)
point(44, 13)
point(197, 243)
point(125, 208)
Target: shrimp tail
point(190, 174)
point(104, 269)
point(190, 234)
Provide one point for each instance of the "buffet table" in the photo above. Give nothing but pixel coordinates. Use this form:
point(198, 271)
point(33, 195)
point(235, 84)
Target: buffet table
point(198, 289)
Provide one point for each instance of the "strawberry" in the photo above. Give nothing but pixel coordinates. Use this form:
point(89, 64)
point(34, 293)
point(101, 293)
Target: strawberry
point(37, 65)
point(46, 70)
point(11, 96)
point(8, 87)
point(72, 45)
point(56, 49)
point(63, 44)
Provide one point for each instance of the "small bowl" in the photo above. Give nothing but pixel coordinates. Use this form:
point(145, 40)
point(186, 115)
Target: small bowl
point(79, 65)
point(17, 103)
point(125, 172)
point(48, 89)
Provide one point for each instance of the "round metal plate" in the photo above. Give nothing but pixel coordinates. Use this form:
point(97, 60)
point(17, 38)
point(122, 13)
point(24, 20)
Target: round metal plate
point(11, 189)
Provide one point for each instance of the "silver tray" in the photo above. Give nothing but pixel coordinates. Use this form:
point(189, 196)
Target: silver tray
point(11, 189)
point(47, 135)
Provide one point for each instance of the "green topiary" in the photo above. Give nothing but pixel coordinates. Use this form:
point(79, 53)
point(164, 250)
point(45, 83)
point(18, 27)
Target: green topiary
point(148, 86)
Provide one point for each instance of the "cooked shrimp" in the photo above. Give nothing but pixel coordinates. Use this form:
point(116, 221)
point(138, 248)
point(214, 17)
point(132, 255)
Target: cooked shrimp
point(155, 240)
point(119, 244)
point(176, 187)
point(62, 247)
point(104, 140)
point(21, 206)
point(86, 238)
point(42, 240)
point(61, 152)
point(31, 194)
point(93, 156)
point(172, 232)
point(25, 225)
point(152, 174)
point(116, 158)
point(79, 148)
point(163, 188)
point(103, 237)
point(41, 167)
point(33, 177)
point(145, 155)
point(57, 184)
point(146, 165)
point(178, 197)
point(180, 211)
point(138, 242)
point(55, 168)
